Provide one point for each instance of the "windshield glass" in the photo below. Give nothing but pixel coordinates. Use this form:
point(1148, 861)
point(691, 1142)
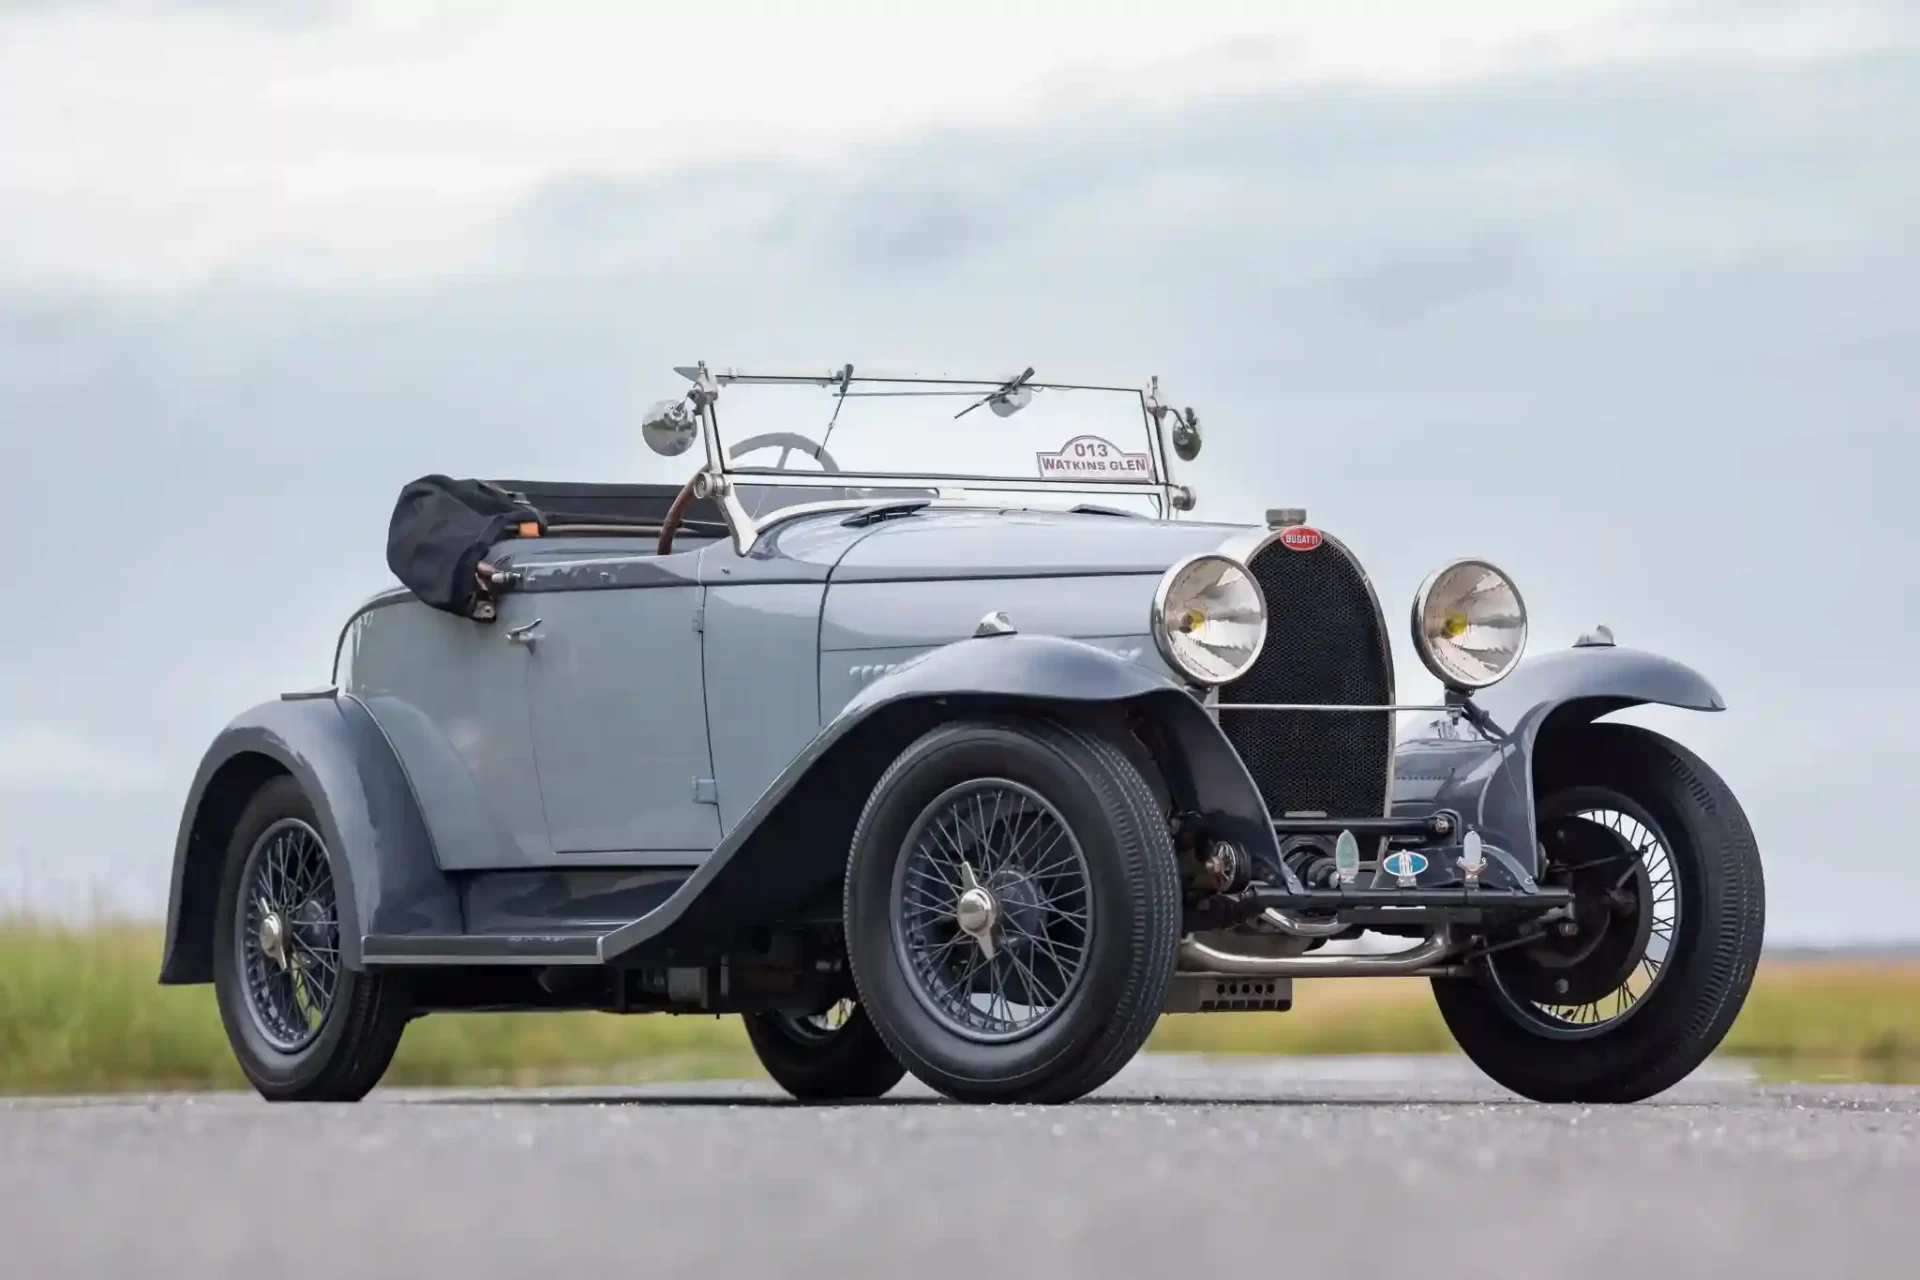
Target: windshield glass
point(1088, 445)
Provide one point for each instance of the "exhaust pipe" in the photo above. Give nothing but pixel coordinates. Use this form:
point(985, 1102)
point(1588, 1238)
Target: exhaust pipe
point(1287, 922)
point(1197, 957)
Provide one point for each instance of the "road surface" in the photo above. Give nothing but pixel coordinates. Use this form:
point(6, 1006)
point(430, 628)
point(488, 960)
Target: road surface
point(1179, 1168)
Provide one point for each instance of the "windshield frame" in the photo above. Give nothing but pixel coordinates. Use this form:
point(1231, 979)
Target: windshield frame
point(708, 392)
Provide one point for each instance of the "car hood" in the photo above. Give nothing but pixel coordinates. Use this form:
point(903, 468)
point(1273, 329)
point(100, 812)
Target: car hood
point(985, 543)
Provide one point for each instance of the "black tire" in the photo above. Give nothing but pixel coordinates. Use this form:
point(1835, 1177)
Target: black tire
point(1715, 936)
point(361, 1026)
point(1104, 1013)
point(848, 1063)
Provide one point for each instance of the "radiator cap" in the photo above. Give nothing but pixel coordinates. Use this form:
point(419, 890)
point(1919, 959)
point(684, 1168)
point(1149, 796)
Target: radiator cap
point(1285, 517)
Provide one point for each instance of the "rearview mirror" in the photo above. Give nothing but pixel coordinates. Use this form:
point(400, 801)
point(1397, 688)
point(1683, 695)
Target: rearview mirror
point(670, 427)
point(1186, 435)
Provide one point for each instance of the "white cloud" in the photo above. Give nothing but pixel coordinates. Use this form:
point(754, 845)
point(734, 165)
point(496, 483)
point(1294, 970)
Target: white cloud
point(151, 145)
point(34, 756)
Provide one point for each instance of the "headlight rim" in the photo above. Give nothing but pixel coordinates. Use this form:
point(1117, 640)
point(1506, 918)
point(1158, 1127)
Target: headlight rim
point(1157, 617)
point(1422, 647)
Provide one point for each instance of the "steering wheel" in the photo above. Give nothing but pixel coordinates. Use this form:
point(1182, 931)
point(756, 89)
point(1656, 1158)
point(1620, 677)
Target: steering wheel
point(785, 441)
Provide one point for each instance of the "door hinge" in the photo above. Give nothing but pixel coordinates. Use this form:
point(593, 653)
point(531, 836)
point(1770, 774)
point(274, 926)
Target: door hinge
point(705, 792)
point(700, 616)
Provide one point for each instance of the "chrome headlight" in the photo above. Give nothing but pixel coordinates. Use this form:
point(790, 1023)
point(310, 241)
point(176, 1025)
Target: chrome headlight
point(1469, 624)
point(1209, 618)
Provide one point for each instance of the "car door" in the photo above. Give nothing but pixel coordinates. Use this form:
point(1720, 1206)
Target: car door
point(619, 719)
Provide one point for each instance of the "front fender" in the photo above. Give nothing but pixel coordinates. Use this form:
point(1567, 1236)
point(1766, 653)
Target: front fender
point(1446, 763)
point(1049, 668)
point(791, 843)
point(385, 876)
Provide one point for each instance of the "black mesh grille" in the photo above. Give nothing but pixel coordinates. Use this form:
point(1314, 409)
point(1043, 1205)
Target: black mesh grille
point(1326, 643)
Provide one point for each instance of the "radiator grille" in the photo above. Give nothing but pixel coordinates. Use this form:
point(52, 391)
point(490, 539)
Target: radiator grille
point(1326, 643)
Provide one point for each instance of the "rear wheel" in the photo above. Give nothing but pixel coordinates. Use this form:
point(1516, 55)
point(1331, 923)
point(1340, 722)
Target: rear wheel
point(1012, 911)
point(303, 1026)
point(831, 1056)
point(1629, 996)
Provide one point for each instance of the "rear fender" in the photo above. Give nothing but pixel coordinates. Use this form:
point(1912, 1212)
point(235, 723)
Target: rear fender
point(385, 875)
point(792, 844)
point(1449, 764)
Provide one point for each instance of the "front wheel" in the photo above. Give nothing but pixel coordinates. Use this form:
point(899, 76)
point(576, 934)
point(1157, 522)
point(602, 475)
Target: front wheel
point(1630, 995)
point(1012, 911)
point(831, 1056)
point(304, 1027)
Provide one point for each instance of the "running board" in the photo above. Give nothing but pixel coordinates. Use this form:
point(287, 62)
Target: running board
point(384, 950)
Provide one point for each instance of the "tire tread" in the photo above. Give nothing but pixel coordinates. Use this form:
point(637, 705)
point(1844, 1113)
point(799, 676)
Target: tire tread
point(1713, 975)
point(1146, 855)
point(376, 1008)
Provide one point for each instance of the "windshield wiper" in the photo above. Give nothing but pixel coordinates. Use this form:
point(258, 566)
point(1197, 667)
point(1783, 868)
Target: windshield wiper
point(1001, 395)
point(885, 511)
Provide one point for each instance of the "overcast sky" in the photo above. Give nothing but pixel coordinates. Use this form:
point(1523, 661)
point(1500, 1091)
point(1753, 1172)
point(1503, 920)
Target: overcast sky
point(1620, 296)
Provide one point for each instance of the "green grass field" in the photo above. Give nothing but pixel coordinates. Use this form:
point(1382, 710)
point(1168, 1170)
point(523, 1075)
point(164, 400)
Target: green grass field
point(80, 1012)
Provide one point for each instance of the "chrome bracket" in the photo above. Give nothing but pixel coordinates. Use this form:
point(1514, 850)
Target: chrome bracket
point(710, 484)
point(1473, 858)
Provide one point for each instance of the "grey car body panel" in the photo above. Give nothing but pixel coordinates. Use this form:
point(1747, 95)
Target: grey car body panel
point(619, 720)
point(1447, 763)
point(1036, 670)
point(520, 902)
point(547, 566)
point(453, 698)
point(940, 545)
point(798, 548)
point(468, 833)
point(905, 615)
point(384, 870)
point(1618, 675)
point(762, 686)
point(844, 674)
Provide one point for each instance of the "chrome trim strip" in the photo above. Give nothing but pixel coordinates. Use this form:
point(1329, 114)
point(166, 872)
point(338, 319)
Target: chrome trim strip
point(776, 478)
point(834, 377)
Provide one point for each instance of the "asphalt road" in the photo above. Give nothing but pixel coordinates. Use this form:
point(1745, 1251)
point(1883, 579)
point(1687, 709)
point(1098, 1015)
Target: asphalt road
point(1288, 1169)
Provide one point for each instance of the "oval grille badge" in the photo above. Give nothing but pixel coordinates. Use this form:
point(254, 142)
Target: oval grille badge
point(1300, 538)
point(1405, 863)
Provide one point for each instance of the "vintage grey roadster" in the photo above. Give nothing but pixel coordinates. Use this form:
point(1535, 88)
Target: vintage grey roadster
point(924, 728)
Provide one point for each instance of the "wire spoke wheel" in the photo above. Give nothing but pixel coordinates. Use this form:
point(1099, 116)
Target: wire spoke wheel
point(1626, 989)
point(1594, 971)
point(818, 1028)
point(992, 910)
point(287, 935)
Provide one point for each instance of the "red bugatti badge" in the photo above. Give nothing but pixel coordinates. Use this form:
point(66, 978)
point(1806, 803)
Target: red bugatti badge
point(1300, 538)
